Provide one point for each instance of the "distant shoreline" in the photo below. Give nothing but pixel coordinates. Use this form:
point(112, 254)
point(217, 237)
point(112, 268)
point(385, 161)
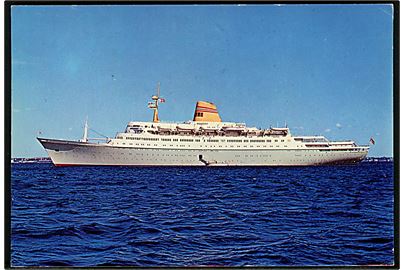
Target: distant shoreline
point(31, 160)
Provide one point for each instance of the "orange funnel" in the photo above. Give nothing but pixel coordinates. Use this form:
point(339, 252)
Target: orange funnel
point(206, 112)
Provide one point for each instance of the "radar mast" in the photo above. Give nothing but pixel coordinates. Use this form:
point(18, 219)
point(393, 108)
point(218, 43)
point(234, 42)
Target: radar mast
point(154, 104)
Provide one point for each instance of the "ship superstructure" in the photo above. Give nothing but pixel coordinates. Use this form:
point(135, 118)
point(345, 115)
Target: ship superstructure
point(204, 141)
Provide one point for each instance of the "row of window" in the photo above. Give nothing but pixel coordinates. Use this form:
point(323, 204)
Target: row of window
point(187, 140)
point(285, 150)
point(333, 150)
point(192, 140)
point(220, 146)
point(144, 139)
point(317, 145)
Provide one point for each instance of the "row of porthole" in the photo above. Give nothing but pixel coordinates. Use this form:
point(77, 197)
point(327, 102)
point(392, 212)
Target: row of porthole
point(157, 155)
point(176, 150)
point(274, 160)
point(197, 150)
point(168, 149)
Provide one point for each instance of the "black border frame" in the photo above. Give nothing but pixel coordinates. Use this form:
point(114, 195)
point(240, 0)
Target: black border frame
point(7, 117)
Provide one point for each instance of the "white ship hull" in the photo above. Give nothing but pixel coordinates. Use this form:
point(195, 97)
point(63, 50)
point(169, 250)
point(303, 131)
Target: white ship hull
point(71, 153)
point(205, 141)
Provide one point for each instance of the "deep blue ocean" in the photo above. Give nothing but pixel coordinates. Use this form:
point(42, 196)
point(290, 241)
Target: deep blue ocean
point(181, 216)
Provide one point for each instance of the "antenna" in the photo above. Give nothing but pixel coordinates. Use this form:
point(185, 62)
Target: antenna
point(158, 89)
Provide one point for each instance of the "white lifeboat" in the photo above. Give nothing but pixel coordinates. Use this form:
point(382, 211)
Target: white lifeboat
point(209, 129)
point(279, 129)
point(164, 129)
point(234, 128)
point(185, 127)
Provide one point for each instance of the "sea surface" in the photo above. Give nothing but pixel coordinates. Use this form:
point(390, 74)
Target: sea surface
point(180, 216)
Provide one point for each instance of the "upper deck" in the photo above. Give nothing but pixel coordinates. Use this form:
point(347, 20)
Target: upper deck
point(207, 126)
point(224, 134)
point(194, 128)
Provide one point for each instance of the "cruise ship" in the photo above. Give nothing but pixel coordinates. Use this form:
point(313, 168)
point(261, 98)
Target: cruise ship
point(204, 141)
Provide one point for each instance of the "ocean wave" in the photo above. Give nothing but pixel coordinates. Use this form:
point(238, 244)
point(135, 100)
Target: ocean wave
point(126, 216)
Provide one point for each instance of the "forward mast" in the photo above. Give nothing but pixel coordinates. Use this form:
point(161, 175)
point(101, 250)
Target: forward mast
point(154, 104)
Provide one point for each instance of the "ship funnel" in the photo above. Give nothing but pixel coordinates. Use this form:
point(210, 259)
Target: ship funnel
point(206, 112)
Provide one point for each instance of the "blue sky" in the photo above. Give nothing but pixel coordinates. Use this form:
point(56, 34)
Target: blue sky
point(322, 69)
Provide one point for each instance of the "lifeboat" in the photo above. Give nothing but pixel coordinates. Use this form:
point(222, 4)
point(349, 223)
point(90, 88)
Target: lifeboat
point(204, 130)
point(185, 127)
point(278, 131)
point(240, 129)
point(209, 129)
point(164, 129)
point(186, 130)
